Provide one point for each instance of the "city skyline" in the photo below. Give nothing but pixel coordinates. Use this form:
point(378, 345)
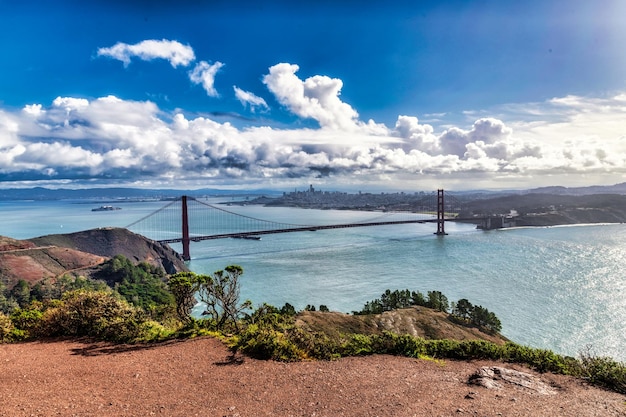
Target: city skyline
point(245, 95)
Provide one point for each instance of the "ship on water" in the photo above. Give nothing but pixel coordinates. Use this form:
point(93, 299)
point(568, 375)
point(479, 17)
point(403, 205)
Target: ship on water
point(106, 208)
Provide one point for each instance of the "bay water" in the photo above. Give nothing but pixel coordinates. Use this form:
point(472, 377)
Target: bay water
point(559, 288)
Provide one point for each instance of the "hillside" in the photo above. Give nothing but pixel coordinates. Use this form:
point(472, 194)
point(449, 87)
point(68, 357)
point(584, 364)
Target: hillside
point(77, 253)
point(416, 321)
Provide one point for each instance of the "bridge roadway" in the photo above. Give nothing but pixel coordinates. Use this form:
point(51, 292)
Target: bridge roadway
point(303, 229)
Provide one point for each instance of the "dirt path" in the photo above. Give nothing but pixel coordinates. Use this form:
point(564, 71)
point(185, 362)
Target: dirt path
point(200, 378)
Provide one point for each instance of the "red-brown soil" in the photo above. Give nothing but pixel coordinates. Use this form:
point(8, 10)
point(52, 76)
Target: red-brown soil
point(201, 378)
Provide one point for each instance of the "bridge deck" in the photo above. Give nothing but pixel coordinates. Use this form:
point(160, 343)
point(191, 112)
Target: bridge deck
point(303, 229)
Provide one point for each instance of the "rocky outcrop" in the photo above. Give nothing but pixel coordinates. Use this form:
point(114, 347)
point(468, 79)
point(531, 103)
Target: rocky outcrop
point(496, 377)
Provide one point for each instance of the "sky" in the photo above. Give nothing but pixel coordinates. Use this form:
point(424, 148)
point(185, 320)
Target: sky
point(367, 95)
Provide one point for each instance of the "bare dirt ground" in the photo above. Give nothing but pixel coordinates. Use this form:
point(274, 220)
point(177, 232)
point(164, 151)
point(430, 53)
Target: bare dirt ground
point(201, 378)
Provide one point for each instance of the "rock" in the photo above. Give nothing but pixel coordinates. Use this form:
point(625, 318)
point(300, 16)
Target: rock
point(493, 377)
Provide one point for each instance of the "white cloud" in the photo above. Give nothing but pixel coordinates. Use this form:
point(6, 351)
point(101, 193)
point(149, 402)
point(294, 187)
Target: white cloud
point(108, 137)
point(249, 99)
point(173, 51)
point(416, 136)
point(9, 128)
point(204, 73)
point(316, 97)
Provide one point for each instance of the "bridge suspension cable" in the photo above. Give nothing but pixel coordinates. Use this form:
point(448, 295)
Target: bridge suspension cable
point(203, 221)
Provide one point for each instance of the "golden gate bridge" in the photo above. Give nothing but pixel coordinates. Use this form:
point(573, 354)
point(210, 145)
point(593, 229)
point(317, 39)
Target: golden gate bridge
point(188, 219)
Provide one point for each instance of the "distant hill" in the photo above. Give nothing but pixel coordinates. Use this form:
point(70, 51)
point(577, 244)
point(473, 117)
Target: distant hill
point(539, 209)
point(596, 189)
point(106, 194)
point(79, 253)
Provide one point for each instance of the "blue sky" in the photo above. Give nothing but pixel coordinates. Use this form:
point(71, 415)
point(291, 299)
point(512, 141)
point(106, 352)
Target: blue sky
point(363, 95)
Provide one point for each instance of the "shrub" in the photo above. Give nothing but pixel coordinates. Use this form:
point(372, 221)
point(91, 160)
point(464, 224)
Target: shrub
point(266, 342)
point(8, 332)
point(313, 345)
point(95, 314)
point(28, 319)
point(357, 345)
point(602, 371)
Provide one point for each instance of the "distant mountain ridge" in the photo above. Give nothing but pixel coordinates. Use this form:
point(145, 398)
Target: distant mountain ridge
point(594, 189)
point(103, 194)
point(115, 193)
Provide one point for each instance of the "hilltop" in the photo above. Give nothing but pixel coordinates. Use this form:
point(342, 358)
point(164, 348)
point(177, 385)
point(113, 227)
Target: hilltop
point(79, 253)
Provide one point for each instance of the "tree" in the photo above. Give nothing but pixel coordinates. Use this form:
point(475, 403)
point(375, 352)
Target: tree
point(483, 318)
point(438, 301)
point(324, 308)
point(418, 299)
point(220, 294)
point(183, 286)
point(288, 310)
point(462, 309)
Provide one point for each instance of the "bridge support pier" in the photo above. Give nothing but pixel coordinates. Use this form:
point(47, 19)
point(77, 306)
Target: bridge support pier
point(440, 214)
point(185, 240)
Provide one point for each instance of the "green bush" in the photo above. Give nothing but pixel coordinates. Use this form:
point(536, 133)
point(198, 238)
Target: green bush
point(313, 345)
point(8, 332)
point(95, 314)
point(357, 345)
point(265, 342)
point(28, 319)
point(602, 371)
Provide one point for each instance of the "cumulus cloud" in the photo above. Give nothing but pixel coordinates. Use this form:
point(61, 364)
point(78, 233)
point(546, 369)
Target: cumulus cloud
point(173, 51)
point(109, 137)
point(316, 97)
point(204, 73)
point(249, 99)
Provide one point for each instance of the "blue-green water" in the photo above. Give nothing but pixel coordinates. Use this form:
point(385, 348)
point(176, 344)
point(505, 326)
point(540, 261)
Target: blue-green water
point(561, 288)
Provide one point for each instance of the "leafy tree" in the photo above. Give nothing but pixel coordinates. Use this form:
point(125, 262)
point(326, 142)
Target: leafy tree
point(437, 301)
point(462, 309)
point(418, 299)
point(288, 310)
point(220, 293)
point(183, 287)
point(485, 319)
point(392, 300)
point(324, 308)
point(309, 307)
